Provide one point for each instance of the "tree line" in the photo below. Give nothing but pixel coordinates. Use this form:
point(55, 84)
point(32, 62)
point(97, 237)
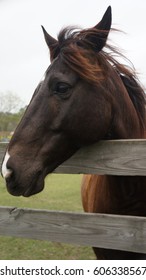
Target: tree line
point(11, 112)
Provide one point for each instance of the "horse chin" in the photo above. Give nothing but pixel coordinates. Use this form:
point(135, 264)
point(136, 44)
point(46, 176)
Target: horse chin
point(34, 189)
point(29, 192)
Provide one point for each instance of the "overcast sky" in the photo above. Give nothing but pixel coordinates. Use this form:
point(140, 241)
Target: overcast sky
point(23, 53)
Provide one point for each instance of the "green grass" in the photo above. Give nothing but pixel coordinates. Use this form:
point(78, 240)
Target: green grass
point(62, 192)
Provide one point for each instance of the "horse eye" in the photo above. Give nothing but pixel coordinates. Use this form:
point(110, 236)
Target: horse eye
point(61, 88)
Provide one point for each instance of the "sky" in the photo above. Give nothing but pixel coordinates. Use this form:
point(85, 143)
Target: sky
point(24, 55)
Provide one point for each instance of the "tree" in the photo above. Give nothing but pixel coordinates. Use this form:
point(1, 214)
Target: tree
point(10, 102)
point(10, 113)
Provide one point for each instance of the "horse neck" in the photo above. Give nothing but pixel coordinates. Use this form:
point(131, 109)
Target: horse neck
point(124, 194)
point(119, 194)
point(126, 122)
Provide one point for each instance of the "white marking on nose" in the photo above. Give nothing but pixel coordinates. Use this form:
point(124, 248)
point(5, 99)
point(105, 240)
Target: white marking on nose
point(43, 78)
point(5, 171)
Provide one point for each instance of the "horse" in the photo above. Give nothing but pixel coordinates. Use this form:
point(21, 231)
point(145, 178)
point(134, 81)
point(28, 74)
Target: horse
point(86, 96)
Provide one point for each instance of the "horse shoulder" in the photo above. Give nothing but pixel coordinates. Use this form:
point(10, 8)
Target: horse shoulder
point(91, 187)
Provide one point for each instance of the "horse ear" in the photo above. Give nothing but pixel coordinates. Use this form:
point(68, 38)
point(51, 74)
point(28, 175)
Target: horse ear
point(104, 25)
point(50, 41)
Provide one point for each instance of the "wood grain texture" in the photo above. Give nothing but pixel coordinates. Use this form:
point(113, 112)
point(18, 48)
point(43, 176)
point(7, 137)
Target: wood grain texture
point(113, 157)
point(108, 231)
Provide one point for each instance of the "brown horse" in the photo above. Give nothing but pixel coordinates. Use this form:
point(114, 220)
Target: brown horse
point(86, 96)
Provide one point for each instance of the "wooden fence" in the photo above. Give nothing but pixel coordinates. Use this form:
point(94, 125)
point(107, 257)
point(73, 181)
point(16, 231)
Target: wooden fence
point(119, 157)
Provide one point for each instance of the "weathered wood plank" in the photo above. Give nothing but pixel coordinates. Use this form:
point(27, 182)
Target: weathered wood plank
point(114, 157)
point(100, 230)
point(118, 157)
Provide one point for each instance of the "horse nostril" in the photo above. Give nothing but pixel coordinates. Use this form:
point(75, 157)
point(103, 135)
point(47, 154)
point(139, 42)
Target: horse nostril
point(8, 174)
point(6, 170)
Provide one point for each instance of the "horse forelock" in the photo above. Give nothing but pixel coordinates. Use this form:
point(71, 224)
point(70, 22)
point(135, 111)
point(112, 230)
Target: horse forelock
point(81, 55)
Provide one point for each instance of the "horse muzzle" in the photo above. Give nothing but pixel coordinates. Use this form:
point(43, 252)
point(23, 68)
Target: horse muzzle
point(30, 187)
point(22, 180)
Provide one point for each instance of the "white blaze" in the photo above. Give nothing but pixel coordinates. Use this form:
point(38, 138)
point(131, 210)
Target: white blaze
point(43, 78)
point(5, 171)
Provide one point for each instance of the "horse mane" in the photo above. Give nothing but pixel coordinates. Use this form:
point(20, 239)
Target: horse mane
point(137, 96)
point(79, 52)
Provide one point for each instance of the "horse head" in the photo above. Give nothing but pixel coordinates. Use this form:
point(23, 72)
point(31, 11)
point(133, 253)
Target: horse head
point(73, 106)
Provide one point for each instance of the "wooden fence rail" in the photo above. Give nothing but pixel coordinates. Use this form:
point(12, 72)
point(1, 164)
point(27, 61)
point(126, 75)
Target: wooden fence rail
point(100, 230)
point(113, 157)
point(128, 233)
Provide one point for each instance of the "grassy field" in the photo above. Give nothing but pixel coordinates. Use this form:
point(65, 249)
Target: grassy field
point(62, 192)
